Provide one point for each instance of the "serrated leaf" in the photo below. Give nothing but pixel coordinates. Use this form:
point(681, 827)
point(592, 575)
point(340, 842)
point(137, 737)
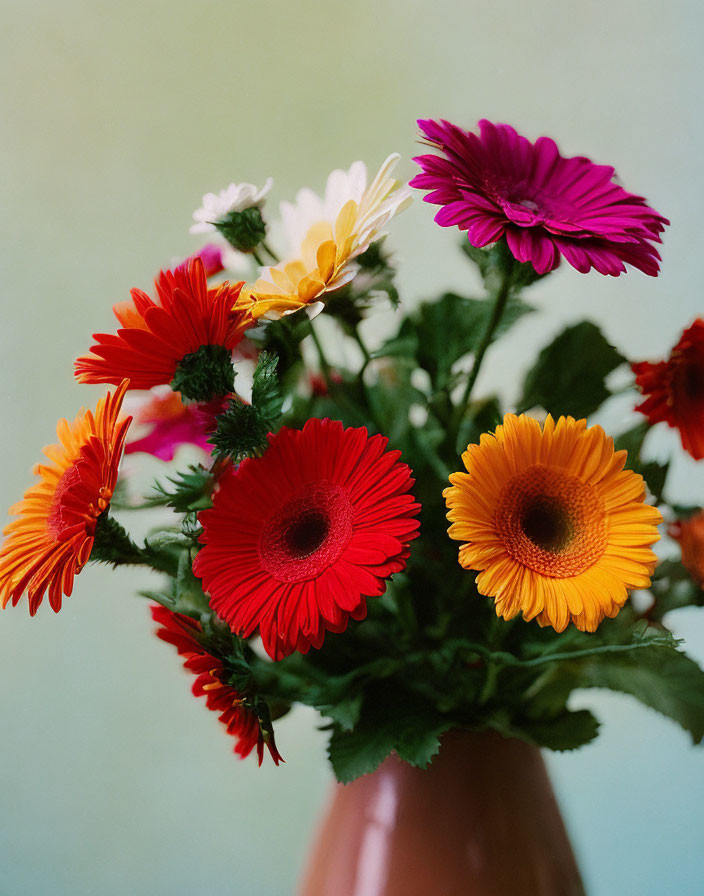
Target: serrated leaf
point(242, 429)
point(388, 723)
point(186, 491)
point(666, 680)
point(345, 712)
point(266, 395)
point(566, 731)
point(569, 375)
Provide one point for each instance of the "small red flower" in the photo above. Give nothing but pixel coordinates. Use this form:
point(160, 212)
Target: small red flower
point(674, 389)
point(298, 538)
point(690, 534)
point(156, 336)
point(241, 722)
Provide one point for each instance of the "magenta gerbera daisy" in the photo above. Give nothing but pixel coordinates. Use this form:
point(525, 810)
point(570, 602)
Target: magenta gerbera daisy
point(498, 184)
point(298, 538)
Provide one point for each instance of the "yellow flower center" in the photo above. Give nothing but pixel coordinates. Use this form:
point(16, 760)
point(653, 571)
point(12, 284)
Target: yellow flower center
point(551, 522)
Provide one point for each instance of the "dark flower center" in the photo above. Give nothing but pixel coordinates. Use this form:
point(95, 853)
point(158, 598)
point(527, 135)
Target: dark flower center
point(306, 533)
point(551, 521)
point(693, 381)
point(546, 523)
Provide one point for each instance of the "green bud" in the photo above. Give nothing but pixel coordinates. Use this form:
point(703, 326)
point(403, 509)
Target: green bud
point(205, 374)
point(244, 230)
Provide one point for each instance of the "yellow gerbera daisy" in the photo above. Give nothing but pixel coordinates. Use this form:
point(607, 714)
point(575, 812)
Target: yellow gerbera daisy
point(325, 236)
point(556, 527)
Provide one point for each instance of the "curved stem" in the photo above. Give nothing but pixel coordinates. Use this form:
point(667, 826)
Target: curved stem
point(365, 352)
point(500, 299)
point(265, 246)
point(324, 365)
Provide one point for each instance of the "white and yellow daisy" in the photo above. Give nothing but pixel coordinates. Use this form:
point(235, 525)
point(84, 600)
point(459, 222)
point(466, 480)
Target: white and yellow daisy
point(325, 236)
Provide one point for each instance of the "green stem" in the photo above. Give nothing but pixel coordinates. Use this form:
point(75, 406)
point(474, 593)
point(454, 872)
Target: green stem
point(113, 545)
point(324, 365)
point(500, 299)
point(258, 258)
point(365, 351)
point(492, 674)
point(270, 251)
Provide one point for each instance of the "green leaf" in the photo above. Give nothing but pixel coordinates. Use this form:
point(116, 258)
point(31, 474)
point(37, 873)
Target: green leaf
point(567, 731)
point(242, 429)
point(266, 395)
point(188, 591)
point(388, 723)
point(666, 680)
point(345, 712)
point(493, 261)
point(569, 375)
point(185, 491)
point(450, 328)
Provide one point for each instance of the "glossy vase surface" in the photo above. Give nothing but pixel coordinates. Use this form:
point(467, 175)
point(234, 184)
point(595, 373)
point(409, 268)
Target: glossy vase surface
point(482, 820)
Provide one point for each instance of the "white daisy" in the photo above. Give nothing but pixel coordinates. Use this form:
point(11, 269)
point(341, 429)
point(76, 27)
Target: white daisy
point(235, 198)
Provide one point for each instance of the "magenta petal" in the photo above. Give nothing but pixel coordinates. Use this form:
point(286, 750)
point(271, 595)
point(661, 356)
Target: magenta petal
point(548, 205)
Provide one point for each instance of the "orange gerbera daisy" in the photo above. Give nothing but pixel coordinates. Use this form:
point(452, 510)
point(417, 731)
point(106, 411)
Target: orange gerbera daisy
point(189, 332)
point(53, 537)
point(556, 527)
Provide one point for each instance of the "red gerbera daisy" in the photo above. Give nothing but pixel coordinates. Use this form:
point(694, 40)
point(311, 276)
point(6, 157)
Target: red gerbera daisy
point(299, 537)
point(190, 331)
point(499, 184)
point(53, 537)
point(211, 682)
point(690, 534)
point(675, 389)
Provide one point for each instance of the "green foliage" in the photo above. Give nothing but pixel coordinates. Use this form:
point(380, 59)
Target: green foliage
point(185, 491)
point(568, 730)
point(189, 598)
point(673, 588)
point(569, 375)
point(390, 721)
point(496, 259)
point(667, 680)
point(373, 283)
point(205, 374)
point(442, 332)
point(244, 230)
point(242, 429)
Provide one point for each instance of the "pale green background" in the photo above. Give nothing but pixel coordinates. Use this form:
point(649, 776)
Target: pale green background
point(116, 118)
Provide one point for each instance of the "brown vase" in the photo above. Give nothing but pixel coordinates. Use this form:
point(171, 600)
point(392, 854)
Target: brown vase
point(480, 821)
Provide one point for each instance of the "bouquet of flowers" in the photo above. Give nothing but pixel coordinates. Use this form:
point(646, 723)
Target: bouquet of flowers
point(306, 557)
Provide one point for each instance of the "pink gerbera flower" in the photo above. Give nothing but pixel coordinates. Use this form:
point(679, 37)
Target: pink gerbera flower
point(498, 184)
point(166, 422)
